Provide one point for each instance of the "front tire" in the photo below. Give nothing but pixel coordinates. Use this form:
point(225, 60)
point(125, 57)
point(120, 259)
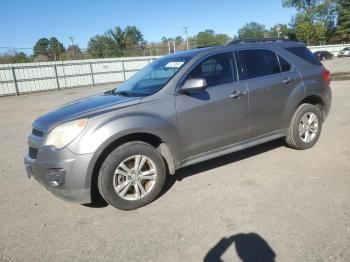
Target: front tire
point(305, 127)
point(132, 175)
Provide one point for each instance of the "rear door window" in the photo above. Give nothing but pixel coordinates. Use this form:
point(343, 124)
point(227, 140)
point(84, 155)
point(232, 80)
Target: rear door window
point(257, 62)
point(304, 53)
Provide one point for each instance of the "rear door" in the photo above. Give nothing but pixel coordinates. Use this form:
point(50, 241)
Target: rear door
point(217, 116)
point(270, 80)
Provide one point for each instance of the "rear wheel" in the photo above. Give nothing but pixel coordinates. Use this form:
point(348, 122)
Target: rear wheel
point(132, 176)
point(305, 127)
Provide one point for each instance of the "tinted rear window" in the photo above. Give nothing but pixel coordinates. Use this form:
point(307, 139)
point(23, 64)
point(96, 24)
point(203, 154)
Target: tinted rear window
point(304, 53)
point(256, 63)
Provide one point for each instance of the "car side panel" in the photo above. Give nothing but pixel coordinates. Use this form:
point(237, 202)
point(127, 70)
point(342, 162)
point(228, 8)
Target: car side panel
point(156, 117)
point(268, 98)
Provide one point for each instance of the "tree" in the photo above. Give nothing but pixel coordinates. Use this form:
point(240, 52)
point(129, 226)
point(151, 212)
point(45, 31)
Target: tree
point(342, 32)
point(164, 40)
point(12, 57)
point(252, 30)
point(101, 46)
point(41, 47)
point(20, 58)
point(280, 30)
point(314, 21)
point(73, 52)
point(117, 42)
point(55, 49)
point(209, 38)
point(179, 40)
point(128, 38)
point(51, 49)
point(133, 37)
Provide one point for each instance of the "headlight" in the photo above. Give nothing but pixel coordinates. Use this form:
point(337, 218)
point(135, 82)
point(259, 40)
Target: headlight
point(63, 134)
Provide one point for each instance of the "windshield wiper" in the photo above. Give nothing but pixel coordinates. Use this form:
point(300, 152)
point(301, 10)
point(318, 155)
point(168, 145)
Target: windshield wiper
point(122, 93)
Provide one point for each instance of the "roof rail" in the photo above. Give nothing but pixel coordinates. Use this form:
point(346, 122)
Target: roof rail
point(204, 46)
point(258, 40)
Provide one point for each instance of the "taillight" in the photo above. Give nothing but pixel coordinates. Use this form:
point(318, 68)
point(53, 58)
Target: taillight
point(326, 75)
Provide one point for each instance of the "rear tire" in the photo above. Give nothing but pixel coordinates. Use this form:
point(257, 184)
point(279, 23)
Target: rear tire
point(305, 127)
point(132, 176)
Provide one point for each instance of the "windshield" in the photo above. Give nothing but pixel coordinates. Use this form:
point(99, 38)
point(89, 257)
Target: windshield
point(151, 78)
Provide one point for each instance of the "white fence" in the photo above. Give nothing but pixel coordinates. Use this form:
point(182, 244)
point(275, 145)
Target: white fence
point(33, 77)
point(334, 49)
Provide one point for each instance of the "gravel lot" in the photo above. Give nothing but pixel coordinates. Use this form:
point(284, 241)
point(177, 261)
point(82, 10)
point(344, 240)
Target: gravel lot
point(285, 204)
point(337, 65)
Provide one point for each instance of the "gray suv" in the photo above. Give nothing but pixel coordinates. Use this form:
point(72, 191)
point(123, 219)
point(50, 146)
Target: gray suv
point(179, 110)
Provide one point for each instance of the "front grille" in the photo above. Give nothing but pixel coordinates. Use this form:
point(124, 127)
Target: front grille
point(33, 152)
point(37, 132)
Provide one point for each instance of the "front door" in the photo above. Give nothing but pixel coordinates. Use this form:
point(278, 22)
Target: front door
point(217, 116)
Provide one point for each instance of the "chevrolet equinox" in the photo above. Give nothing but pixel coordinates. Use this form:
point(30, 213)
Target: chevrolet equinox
point(179, 110)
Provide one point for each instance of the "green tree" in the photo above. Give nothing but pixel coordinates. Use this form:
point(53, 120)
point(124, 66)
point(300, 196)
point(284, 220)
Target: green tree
point(280, 30)
point(314, 21)
point(179, 40)
point(55, 49)
point(48, 49)
point(41, 47)
point(252, 30)
point(209, 38)
point(101, 46)
point(130, 37)
point(118, 36)
point(133, 37)
point(20, 58)
point(342, 32)
point(117, 42)
point(14, 57)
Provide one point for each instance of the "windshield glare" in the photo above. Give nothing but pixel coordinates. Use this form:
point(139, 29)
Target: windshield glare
point(151, 78)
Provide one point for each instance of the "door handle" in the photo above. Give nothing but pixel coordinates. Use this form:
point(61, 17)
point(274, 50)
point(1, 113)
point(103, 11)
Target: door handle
point(238, 94)
point(288, 80)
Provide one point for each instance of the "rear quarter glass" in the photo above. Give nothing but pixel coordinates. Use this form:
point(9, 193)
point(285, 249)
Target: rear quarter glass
point(304, 53)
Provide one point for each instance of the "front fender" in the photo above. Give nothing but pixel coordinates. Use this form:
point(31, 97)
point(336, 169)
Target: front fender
point(102, 133)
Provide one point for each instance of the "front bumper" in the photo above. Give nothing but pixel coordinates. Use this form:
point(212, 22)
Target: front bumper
point(62, 173)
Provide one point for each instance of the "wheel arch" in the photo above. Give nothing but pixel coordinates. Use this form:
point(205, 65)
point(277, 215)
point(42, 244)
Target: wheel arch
point(108, 146)
point(316, 101)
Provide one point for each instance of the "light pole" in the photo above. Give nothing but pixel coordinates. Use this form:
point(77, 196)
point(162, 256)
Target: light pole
point(72, 41)
point(185, 28)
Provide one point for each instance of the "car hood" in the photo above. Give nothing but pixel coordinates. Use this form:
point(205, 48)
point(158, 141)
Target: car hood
point(82, 108)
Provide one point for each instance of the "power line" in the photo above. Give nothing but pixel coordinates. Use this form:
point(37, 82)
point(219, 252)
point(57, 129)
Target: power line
point(9, 47)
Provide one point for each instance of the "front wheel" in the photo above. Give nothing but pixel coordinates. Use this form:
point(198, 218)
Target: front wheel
point(305, 127)
point(132, 176)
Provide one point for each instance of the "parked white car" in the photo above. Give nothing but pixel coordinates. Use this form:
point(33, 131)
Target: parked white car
point(344, 52)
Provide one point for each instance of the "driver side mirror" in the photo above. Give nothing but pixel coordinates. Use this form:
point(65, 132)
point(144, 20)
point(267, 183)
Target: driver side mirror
point(194, 84)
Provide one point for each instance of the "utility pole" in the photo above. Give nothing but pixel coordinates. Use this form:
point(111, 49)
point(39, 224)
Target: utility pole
point(72, 41)
point(185, 28)
point(71, 38)
point(278, 31)
point(169, 46)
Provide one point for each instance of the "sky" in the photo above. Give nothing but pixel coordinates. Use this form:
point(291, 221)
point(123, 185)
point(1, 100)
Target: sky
point(23, 22)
